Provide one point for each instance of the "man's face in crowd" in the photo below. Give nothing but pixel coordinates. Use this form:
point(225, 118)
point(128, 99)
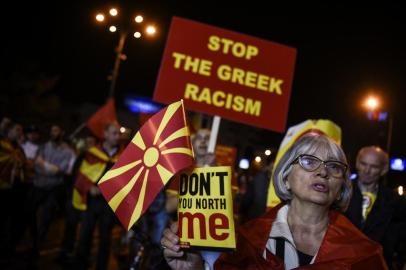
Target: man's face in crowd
point(56, 133)
point(201, 142)
point(371, 166)
point(90, 141)
point(5, 123)
point(33, 136)
point(15, 133)
point(112, 135)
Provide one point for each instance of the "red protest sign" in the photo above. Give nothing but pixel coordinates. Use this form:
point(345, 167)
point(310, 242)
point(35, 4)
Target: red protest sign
point(220, 72)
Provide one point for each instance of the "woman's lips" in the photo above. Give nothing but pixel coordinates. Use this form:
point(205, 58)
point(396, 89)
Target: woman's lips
point(320, 187)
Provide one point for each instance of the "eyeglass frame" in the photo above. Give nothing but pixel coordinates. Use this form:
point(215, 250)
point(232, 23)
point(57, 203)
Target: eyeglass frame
point(297, 160)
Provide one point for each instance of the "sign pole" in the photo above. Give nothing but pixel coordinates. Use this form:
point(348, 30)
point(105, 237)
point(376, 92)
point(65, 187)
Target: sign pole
point(214, 132)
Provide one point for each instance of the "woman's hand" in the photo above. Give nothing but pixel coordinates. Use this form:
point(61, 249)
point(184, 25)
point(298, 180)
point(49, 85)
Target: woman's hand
point(174, 256)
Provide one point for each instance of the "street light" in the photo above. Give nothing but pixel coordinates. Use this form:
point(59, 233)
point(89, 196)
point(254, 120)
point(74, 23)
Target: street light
point(138, 19)
point(373, 105)
point(151, 30)
point(113, 12)
point(100, 17)
point(400, 190)
point(124, 30)
point(113, 29)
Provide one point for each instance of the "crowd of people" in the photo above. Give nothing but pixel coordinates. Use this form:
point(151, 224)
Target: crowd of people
point(325, 219)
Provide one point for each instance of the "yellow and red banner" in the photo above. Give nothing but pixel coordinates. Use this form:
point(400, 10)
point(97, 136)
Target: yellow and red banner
point(91, 170)
point(320, 126)
point(205, 208)
point(158, 151)
point(224, 73)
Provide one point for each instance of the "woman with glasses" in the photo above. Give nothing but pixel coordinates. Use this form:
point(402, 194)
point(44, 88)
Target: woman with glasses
point(306, 231)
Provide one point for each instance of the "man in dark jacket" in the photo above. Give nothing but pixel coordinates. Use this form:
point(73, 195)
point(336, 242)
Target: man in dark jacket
point(375, 209)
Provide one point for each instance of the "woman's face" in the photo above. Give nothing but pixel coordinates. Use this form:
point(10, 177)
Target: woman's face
point(318, 187)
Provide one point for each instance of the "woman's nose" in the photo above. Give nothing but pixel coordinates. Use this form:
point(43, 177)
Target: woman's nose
point(322, 171)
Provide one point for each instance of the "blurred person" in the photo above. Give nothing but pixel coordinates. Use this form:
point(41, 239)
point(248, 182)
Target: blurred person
point(12, 175)
point(73, 215)
point(83, 144)
point(50, 167)
point(95, 162)
point(253, 201)
point(200, 144)
point(375, 209)
point(307, 230)
point(90, 141)
point(12, 157)
point(30, 145)
point(5, 124)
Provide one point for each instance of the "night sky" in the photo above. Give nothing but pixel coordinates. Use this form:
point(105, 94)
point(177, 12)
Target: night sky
point(344, 53)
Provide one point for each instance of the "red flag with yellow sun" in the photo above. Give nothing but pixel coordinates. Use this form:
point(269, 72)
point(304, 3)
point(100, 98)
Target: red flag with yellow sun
point(159, 150)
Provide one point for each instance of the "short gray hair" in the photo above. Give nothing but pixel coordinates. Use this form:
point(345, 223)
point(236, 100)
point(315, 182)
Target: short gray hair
point(309, 144)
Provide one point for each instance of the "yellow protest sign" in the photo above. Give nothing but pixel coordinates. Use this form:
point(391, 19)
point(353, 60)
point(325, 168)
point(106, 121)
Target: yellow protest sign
point(205, 208)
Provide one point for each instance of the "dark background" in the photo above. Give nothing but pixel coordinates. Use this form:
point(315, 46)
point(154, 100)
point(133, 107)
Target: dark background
point(55, 58)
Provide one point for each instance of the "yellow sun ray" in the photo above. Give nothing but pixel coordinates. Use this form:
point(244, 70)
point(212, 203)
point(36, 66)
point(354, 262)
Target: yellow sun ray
point(164, 173)
point(119, 197)
point(113, 173)
point(138, 141)
point(177, 134)
point(140, 202)
point(178, 150)
point(170, 111)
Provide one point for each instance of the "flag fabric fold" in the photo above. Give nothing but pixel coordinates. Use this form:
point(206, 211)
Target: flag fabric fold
point(102, 117)
point(158, 151)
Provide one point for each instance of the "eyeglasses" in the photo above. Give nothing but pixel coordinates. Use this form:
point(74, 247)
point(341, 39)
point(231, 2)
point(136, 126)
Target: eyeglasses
point(311, 163)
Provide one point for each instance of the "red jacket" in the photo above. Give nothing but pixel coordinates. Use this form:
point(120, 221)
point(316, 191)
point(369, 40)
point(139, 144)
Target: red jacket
point(343, 247)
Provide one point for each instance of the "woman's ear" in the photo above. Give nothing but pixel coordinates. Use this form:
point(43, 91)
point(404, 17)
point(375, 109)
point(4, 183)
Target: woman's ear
point(341, 194)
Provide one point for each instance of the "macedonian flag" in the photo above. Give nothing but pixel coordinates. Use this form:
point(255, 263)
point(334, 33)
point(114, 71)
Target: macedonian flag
point(159, 150)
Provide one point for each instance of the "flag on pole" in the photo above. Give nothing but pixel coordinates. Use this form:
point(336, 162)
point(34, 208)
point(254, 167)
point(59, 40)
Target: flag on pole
point(100, 119)
point(321, 126)
point(158, 151)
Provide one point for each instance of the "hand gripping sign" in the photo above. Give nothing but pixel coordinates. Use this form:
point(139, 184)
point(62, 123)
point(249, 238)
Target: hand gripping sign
point(205, 208)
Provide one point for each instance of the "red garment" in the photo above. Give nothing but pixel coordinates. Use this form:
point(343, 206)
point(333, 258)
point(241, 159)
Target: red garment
point(100, 119)
point(94, 164)
point(343, 247)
